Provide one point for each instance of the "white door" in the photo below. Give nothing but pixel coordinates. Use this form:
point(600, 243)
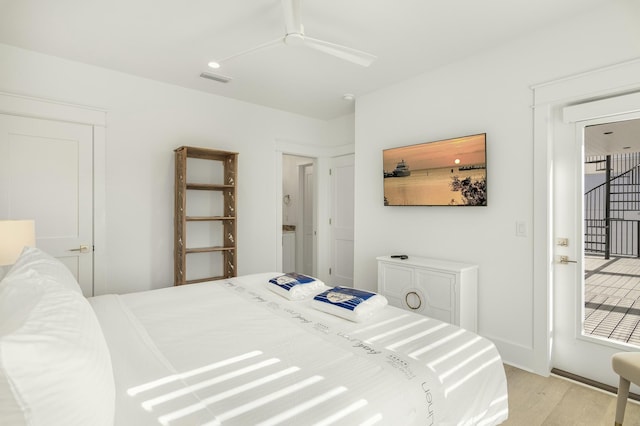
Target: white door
point(574, 351)
point(46, 175)
point(342, 221)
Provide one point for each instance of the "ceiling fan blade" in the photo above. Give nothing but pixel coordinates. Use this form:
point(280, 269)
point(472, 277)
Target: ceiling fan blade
point(347, 53)
point(292, 16)
point(253, 49)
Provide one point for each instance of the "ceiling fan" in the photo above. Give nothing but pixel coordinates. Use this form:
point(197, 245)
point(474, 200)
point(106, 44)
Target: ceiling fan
point(294, 36)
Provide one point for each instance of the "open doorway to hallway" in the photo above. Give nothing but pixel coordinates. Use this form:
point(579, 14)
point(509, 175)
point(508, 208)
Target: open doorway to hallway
point(612, 232)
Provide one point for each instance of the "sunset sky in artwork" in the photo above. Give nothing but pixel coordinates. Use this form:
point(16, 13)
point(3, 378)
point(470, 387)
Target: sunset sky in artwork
point(470, 150)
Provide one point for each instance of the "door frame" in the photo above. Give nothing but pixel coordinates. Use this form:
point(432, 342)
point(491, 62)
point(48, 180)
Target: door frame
point(322, 203)
point(579, 92)
point(48, 109)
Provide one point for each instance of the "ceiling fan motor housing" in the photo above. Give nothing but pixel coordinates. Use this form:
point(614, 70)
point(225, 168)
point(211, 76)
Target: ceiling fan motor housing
point(294, 39)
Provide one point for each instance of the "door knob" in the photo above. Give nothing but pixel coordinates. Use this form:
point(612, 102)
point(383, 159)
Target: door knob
point(81, 249)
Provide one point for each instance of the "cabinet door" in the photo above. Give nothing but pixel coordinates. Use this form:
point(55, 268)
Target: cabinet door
point(438, 289)
point(423, 291)
point(393, 282)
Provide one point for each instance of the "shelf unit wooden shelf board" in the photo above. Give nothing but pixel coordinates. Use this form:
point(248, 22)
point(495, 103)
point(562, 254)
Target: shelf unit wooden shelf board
point(207, 153)
point(208, 249)
point(208, 186)
point(202, 280)
point(208, 218)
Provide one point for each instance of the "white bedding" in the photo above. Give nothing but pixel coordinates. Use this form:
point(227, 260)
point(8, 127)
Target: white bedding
point(232, 352)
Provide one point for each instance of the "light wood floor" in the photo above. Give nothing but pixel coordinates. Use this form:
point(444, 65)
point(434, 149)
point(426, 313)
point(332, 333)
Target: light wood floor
point(536, 400)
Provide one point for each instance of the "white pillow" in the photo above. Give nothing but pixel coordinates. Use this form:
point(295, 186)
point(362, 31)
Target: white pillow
point(55, 367)
point(33, 260)
point(349, 303)
point(294, 286)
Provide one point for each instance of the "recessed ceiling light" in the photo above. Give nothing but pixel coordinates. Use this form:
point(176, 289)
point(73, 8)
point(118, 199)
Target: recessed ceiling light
point(348, 97)
point(214, 65)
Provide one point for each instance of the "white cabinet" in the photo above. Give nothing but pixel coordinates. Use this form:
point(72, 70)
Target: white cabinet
point(440, 289)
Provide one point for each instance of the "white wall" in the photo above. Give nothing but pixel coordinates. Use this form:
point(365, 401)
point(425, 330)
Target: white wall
point(146, 121)
point(490, 93)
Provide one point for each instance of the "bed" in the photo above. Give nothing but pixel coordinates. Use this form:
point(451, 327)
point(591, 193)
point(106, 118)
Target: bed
point(230, 352)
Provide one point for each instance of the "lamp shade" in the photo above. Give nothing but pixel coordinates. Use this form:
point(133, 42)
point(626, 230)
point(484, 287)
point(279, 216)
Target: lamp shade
point(14, 236)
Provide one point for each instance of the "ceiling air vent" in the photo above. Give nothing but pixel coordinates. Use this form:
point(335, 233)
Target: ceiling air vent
point(215, 77)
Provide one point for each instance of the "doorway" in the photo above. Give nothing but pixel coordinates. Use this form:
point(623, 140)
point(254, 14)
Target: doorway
point(582, 234)
point(298, 214)
point(76, 132)
point(558, 107)
point(332, 210)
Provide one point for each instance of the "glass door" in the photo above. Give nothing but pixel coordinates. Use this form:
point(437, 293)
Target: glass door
point(596, 244)
point(612, 232)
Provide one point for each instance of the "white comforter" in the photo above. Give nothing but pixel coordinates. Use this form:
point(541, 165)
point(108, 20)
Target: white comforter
point(231, 352)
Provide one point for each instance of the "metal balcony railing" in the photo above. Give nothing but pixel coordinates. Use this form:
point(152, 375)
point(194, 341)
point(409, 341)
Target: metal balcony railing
point(612, 209)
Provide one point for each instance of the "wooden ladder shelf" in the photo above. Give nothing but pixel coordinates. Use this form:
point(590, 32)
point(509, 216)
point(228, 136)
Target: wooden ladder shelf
point(227, 162)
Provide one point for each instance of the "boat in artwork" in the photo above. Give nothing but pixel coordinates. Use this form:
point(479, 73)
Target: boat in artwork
point(401, 170)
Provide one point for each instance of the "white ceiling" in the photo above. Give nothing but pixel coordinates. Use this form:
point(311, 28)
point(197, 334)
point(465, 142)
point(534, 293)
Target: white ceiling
point(616, 137)
point(172, 41)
